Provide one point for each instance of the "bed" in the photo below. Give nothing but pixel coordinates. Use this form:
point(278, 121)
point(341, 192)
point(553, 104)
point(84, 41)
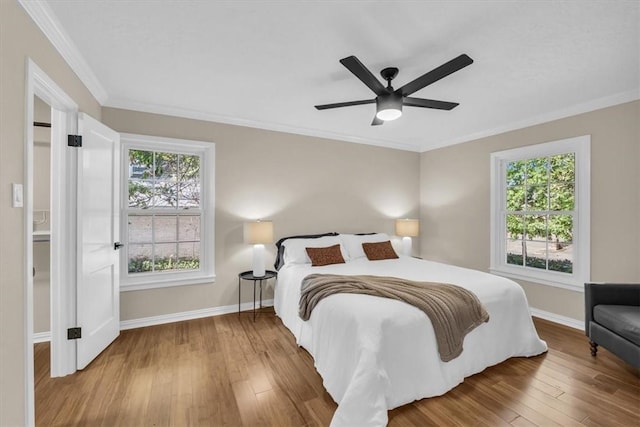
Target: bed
point(375, 354)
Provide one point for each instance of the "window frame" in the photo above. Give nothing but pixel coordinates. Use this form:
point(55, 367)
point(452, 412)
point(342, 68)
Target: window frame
point(166, 278)
point(581, 147)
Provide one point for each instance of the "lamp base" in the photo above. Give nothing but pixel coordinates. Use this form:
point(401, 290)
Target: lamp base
point(258, 260)
point(406, 246)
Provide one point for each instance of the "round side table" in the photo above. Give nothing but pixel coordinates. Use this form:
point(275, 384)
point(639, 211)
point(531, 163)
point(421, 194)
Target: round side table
point(248, 275)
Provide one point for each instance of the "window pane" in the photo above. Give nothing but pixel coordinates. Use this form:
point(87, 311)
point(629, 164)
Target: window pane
point(166, 183)
point(515, 173)
point(515, 226)
point(537, 198)
point(535, 227)
point(561, 256)
point(140, 164)
point(189, 256)
point(166, 228)
point(165, 256)
point(563, 168)
point(140, 228)
point(140, 193)
point(561, 228)
point(189, 168)
point(514, 251)
point(140, 178)
point(140, 258)
point(189, 228)
point(562, 197)
point(536, 254)
point(165, 193)
point(189, 186)
point(189, 194)
point(166, 166)
point(537, 171)
point(515, 198)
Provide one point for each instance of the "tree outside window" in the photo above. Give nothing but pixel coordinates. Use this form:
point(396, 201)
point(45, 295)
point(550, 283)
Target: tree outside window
point(164, 211)
point(539, 212)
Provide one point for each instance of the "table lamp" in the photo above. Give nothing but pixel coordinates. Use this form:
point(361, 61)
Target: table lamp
point(258, 233)
point(407, 228)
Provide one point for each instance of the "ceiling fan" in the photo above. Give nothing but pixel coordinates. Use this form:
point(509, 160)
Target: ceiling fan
point(389, 101)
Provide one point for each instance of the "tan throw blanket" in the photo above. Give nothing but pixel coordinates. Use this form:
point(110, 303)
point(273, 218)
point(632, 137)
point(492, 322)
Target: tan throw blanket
point(453, 310)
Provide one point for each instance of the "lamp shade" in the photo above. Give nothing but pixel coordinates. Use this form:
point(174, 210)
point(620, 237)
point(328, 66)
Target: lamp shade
point(407, 227)
point(258, 232)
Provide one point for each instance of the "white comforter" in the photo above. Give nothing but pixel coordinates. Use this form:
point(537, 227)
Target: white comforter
point(375, 354)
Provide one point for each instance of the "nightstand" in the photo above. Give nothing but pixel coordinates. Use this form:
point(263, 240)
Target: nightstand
point(248, 275)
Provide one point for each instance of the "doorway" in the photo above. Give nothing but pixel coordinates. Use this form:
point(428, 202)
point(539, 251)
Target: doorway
point(44, 94)
point(82, 228)
point(41, 212)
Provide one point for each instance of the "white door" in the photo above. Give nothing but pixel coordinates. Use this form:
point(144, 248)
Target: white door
point(98, 290)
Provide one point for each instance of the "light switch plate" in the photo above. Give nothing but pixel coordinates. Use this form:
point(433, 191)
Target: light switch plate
point(17, 196)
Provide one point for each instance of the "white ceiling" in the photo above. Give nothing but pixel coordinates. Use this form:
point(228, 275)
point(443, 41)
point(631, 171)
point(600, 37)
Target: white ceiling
point(266, 64)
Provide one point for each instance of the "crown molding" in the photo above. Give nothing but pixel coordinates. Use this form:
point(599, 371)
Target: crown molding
point(236, 121)
point(585, 107)
point(46, 20)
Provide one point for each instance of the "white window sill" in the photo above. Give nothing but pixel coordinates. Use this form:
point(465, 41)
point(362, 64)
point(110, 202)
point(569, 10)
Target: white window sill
point(544, 278)
point(160, 282)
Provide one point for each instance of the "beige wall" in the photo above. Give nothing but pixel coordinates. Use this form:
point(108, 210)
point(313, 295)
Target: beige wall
point(455, 188)
point(20, 39)
point(303, 184)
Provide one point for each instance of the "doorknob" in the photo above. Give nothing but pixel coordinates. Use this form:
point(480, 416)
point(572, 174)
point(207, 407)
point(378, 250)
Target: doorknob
point(117, 245)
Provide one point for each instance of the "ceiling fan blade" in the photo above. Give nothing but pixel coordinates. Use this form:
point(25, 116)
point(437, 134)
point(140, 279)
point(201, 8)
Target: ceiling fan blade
point(428, 103)
point(376, 121)
point(358, 69)
point(345, 104)
point(436, 74)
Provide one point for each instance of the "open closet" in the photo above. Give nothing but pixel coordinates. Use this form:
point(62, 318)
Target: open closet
point(41, 221)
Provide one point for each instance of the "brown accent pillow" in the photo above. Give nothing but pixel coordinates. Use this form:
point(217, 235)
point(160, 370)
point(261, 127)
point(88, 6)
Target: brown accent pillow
point(325, 256)
point(379, 250)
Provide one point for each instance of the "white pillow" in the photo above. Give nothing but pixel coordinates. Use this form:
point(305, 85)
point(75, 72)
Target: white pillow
point(295, 249)
point(353, 243)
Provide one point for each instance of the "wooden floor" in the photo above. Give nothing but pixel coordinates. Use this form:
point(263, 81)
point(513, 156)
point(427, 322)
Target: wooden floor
point(230, 371)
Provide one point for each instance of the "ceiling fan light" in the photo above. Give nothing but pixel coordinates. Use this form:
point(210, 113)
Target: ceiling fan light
point(388, 114)
point(389, 107)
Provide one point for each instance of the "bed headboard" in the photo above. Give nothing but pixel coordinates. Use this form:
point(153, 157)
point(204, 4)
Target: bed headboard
point(279, 257)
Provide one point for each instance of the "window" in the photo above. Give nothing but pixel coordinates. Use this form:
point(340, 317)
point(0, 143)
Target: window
point(540, 213)
point(167, 212)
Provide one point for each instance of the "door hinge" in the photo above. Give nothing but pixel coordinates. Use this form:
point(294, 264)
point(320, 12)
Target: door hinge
point(74, 140)
point(74, 333)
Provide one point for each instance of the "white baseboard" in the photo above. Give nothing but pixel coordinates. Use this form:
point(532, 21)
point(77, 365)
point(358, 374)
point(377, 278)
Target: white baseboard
point(188, 315)
point(39, 337)
point(556, 318)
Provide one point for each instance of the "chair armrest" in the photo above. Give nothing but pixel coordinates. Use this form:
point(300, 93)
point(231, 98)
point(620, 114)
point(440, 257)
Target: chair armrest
point(610, 294)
